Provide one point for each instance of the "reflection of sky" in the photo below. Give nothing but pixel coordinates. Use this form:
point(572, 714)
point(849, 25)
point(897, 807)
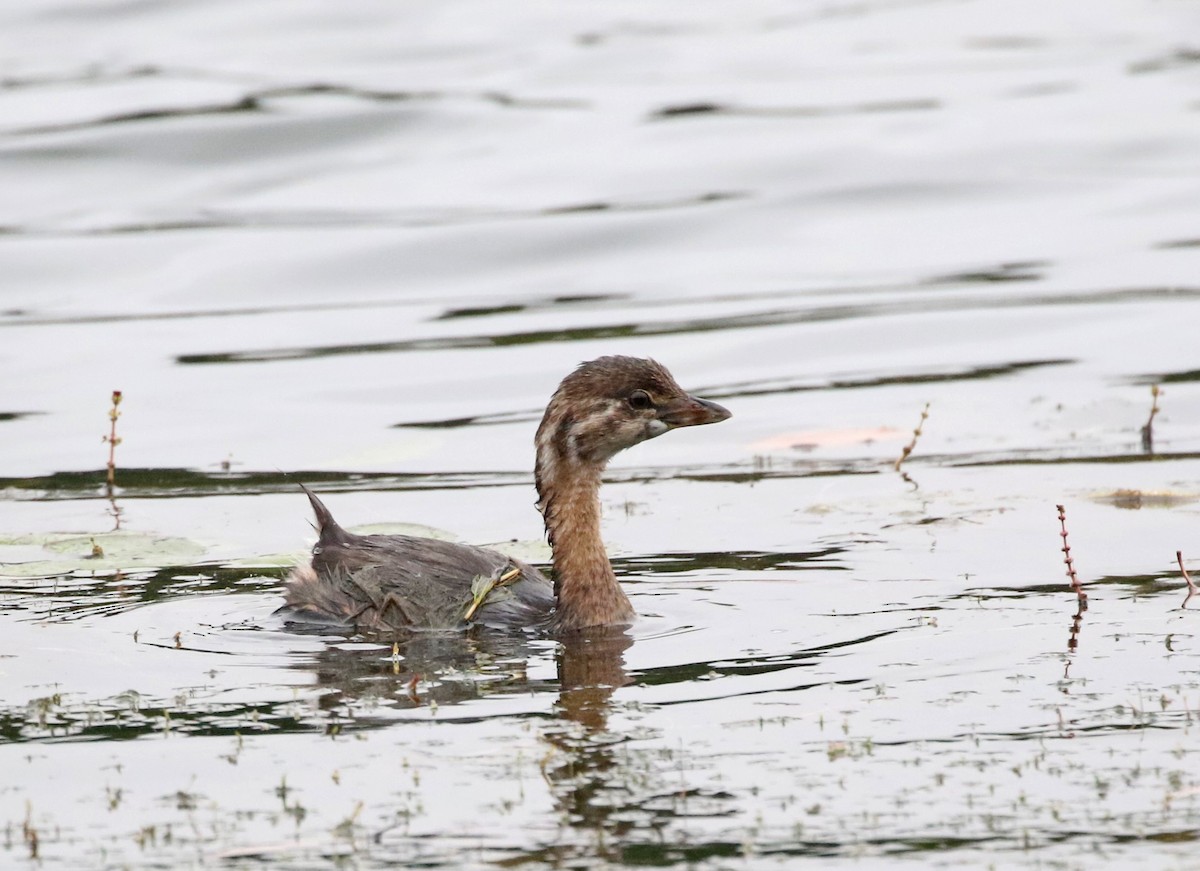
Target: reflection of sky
point(284, 228)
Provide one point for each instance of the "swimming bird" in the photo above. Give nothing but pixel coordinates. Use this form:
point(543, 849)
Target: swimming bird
point(395, 583)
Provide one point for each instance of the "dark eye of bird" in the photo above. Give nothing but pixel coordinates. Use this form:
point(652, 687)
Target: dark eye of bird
point(640, 400)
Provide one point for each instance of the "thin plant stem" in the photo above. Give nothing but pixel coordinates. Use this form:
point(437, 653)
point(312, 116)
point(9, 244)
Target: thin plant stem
point(1070, 563)
point(908, 448)
point(112, 439)
point(1191, 584)
point(1148, 428)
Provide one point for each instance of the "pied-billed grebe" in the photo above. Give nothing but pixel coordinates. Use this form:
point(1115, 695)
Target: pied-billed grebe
point(390, 583)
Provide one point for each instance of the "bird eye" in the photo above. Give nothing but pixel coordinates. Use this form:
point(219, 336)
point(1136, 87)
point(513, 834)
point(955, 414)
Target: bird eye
point(640, 400)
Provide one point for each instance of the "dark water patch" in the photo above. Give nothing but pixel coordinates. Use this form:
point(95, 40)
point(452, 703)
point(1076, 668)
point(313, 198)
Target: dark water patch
point(1183, 377)
point(647, 206)
point(78, 594)
point(741, 561)
point(754, 472)
point(1156, 584)
point(1179, 243)
point(689, 110)
point(260, 100)
point(357, 686)
point(57, 717)
point(1040, 458)
point(517, 308)
point(167, 483)
point(484, 311)
point(423, 669)
point(230, 107)
point(1177, 59)
point(161, 483)
point(89, 75)
point(16, 415)
point(703, 671)
point(752, 320)
point(501, 417)
point(1029, 270)
point(967, 373)
point(216, 219)
point(1147, 585)
point(665, 851)
point(535, 337)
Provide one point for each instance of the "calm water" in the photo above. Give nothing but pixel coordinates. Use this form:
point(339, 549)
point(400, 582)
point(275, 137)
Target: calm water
point(358, 244)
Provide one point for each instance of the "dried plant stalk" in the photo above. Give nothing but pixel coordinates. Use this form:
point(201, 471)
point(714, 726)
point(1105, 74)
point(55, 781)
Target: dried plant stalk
point(1148, 428)
point(482, 586)
point(1066, 549)
point(908, 448)
point(112, 439)
point(1191, 584)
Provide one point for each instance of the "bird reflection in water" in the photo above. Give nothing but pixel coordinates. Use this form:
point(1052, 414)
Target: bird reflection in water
point(586, 766)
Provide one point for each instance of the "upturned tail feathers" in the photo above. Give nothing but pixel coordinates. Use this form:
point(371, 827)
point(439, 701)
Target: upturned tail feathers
point(328, 531)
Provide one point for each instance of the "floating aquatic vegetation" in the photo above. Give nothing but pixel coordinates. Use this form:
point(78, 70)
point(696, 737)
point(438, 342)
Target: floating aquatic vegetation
point(45, 556)
point(482, 586)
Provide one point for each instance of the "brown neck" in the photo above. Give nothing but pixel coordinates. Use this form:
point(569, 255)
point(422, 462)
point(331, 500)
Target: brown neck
point(584, 584)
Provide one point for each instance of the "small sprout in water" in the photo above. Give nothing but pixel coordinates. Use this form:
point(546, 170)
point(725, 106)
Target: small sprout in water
point(908, 448)
point(1148, 427)
point(135, 636)
point(28, 832)
point(345, 828)
point(97, 550)
point(178, 640)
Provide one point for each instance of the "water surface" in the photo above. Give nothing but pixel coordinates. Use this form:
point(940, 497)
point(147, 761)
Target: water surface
point(357, 246)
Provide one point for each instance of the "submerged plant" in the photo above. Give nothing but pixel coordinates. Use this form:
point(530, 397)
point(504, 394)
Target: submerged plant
point(1148, 428)
point(482, 586)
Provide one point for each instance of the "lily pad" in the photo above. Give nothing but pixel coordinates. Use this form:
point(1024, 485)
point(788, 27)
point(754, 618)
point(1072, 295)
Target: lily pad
point(530, 551)
point(43, 556)
point(416, 530)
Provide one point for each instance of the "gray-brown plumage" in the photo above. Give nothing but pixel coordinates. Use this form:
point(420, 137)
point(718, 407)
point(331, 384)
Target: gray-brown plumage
point(390, 583)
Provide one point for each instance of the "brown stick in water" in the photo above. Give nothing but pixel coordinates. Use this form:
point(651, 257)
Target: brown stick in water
point(908, 448)
point(1148, 429)
point(112, 439)
point(1191, 584)
point(1066, 549)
